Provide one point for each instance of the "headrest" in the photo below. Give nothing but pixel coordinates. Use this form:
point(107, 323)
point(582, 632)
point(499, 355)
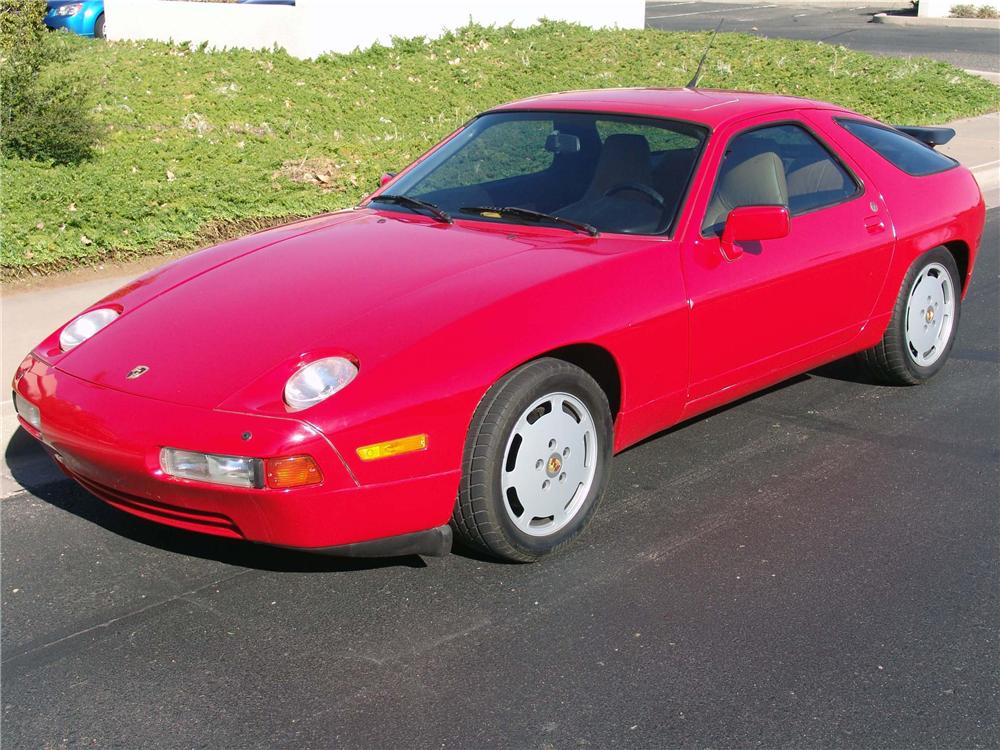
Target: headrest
point(756, 181)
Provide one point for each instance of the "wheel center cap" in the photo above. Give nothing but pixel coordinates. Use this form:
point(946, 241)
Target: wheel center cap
point(554, 465)
point(929, 315)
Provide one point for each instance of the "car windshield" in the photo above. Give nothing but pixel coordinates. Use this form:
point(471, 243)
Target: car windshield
point(576, 171)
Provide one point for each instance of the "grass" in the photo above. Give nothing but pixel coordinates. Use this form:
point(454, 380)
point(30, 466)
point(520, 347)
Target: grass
point(197, 146)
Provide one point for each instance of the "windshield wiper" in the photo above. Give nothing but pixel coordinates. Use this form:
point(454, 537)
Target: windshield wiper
point(404, 200)
point(527, 213)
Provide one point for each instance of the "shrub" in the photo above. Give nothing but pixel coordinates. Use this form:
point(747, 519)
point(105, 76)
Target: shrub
point(967, 10)
point(42, 114)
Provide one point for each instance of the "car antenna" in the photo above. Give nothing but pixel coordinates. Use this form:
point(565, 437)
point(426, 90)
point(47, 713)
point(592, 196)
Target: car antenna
point(693, 84)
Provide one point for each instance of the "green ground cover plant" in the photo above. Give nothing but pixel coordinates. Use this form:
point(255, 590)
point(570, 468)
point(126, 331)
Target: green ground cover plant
point(196, 146)
point(41, 117)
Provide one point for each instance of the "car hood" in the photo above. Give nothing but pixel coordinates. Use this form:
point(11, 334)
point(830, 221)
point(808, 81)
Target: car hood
point(206, 327)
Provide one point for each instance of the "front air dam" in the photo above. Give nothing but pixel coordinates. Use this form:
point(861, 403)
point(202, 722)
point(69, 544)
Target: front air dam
point(434, 542)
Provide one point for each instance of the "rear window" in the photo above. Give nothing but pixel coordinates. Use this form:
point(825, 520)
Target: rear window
point(907, 153)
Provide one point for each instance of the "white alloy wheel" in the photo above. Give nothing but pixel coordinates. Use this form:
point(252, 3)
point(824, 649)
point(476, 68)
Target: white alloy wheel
point(536, 461)
point(549, 464)
point(930, 314)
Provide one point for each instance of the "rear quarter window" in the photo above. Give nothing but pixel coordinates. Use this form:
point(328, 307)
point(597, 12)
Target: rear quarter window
point(899, 149)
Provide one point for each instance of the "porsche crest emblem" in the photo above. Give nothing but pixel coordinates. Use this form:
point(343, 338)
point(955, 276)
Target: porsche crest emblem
point(137, 372)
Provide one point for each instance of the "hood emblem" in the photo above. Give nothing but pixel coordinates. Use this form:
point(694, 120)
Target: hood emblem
point(137, 372)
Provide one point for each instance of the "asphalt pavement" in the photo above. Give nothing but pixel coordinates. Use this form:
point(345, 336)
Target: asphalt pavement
point(814, 567)
point(975, 49)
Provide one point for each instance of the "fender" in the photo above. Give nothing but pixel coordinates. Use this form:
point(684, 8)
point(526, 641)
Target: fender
point(941, 209)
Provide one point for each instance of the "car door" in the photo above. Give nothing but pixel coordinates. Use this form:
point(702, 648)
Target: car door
point(783, 301)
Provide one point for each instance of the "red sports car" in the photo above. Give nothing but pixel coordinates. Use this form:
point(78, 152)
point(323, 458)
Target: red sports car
point(558, 279)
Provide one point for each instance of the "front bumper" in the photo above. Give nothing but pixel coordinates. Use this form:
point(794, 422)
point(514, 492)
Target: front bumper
point(109, 441)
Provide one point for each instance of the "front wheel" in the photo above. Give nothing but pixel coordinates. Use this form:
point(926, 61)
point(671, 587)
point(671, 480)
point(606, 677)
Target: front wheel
point(99, 27)
point(923, 325)
point(536, 462)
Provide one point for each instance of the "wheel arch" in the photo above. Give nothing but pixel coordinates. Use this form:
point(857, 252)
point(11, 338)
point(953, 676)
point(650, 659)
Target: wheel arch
point(597, 362)
point(960, 252)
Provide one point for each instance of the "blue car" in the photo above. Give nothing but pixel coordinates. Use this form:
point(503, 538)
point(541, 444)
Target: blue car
point(85, 19)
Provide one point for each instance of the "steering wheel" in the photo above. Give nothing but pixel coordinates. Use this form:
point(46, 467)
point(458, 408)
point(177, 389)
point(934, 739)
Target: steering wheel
point(637, 187)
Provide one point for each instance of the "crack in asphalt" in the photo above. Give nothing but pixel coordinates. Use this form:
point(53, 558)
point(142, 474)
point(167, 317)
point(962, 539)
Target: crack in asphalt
point(25, 659)
point(837, 35)
point(652, 554)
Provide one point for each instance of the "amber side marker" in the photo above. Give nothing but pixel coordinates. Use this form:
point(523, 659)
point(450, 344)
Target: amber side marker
point(393, 447)
point(291, 471)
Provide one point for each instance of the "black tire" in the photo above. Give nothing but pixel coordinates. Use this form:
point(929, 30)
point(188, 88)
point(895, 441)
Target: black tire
point(481, 518)
point(99, 27)
point(891, 360)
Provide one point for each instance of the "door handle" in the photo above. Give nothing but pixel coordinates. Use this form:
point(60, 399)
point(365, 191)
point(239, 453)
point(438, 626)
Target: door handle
point(874, 225)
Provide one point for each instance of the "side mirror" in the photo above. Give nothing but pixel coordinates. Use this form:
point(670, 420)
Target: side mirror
point(753, 224)
point(386, 178)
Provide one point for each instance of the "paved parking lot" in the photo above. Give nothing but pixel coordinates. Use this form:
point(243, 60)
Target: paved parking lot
point(813, 567)
point(975, 49)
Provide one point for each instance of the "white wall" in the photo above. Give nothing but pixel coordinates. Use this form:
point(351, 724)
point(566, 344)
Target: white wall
point(313, 27)
point(220, 24)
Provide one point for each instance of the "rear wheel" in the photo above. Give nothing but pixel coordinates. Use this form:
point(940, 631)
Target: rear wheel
point(99, 27)
point(924, 322)
point(536, 462)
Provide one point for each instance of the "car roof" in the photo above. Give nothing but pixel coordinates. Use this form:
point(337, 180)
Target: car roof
point(711, 107)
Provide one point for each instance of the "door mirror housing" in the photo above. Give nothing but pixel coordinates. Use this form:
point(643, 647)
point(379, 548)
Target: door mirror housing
point(753, 224)
point(386, 178)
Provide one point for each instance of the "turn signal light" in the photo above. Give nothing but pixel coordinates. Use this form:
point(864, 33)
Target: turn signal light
point(27, 411)
point(393, 447)
point(291, 471)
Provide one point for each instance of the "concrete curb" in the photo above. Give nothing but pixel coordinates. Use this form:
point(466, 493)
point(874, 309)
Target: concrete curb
point(989, 75)
point(955, 23)
point(977, 146)
point(988, 176)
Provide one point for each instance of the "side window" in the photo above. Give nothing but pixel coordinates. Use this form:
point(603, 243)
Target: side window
point(777, 165)
point(906, 153)
point(507, 149)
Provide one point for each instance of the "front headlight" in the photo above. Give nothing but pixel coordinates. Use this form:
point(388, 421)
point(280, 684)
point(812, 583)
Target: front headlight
point(82, 328)
point(318, 381)
point(70, 9)
point(235, 471)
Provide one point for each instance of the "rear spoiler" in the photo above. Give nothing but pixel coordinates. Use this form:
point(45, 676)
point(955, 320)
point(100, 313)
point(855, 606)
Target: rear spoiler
point(929, 136)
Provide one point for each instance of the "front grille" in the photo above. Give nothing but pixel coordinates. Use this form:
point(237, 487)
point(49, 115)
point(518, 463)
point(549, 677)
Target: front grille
point(184, 518)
